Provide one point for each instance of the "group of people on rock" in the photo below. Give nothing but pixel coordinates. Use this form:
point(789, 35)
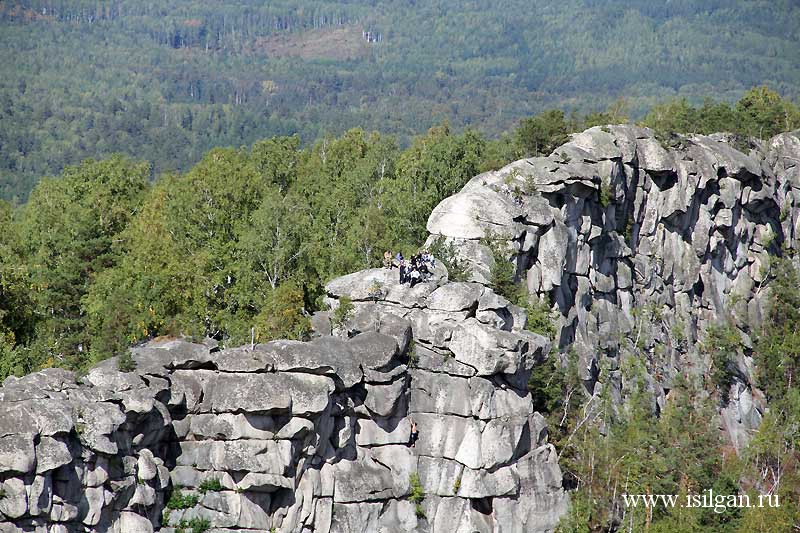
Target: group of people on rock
point(412, 271)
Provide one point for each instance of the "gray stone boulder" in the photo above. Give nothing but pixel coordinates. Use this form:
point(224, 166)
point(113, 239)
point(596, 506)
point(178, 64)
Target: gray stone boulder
point(474, 215)
point(253, 393)
point(455, 297)
point(490, 351)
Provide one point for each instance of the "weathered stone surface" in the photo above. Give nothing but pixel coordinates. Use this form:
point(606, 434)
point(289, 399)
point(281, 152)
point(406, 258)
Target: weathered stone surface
point(15, 503)
point(471, 215)
point(632, 242)
point(327, 356)
point(159, 355)
point(625, 223)
point(245, 359)
point(490, 351)
point(374, 350)
point(455, 296)
point(364, 480)
point(258, 393)
point(51, 454)
point(382, 431)
point(17, 455)
point(269, 457)
point(133, 523)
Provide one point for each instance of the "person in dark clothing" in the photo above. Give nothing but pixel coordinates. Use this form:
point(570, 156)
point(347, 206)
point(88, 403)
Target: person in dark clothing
point(415, 276)
point(403, 271)
point(425, 273)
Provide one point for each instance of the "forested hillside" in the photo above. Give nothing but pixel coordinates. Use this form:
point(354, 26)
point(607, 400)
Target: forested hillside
point(166, 82)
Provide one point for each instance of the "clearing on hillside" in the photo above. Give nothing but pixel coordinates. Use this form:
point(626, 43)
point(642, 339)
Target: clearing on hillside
point(340, 43)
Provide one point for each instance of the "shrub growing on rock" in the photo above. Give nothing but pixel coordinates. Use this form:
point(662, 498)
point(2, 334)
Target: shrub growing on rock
point(181, 500)
point(212, 485)
point(446, 253)
point(722, 344)
point(417, 494)
point(343, 312)
point(125, 362)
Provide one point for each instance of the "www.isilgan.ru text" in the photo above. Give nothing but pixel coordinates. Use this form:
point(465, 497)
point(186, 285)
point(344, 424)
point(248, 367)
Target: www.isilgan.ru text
point(707, 500)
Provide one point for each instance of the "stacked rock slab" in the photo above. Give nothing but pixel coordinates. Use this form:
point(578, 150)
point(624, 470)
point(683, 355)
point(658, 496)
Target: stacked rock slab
point(640, 244)
point(482, 455)
point(295, 436)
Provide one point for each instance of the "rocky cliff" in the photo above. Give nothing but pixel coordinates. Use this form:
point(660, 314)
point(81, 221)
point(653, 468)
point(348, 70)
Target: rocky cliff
point(291, 436)
point(638, 244)
point(641, 243)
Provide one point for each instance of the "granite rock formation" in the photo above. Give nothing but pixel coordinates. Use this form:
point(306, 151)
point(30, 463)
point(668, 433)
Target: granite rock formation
point(638, 244)
point(296, 436)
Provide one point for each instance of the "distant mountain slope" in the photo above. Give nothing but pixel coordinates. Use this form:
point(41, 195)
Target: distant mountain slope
point(168, 80)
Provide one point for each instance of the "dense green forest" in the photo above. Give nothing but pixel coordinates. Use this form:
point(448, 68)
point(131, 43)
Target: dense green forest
point(166, 82)
point(243, 241)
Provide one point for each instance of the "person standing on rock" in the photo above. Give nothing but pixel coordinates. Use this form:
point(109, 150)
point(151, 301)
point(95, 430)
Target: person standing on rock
point(387, 260)
point(414, 434)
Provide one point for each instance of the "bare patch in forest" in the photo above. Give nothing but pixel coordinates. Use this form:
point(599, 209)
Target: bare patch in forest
point(345, 42)
point(22, 14)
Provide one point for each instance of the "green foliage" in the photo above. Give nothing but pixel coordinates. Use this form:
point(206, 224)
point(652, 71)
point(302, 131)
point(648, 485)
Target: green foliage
point(457, 484)
point(777, 349)
point(417, 494)
point(543, 133)
point(678, 331)
point(640, 453)
point(763, 113)
point(72, 85)
point(541, 317)
point(555, 389)
point(444, 251)
point(210, 484)
point(760, 113)
point(195, 525)
point(606, 194)
point(125, 362)
point(435, 166)
point(579, 516)
point(240, 245)
point(343, 312)
point(770, 464)
point(70, 228)
point(722, 343)
point(283, 314)
point(181, 500)
point(503, 271)
point(617, 112)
